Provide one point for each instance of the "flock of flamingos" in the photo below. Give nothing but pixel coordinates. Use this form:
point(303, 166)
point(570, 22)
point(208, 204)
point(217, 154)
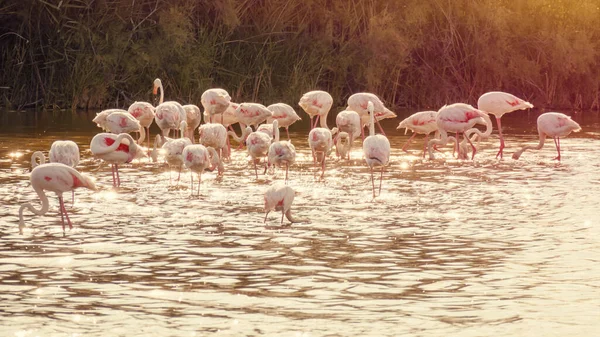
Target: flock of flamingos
point(116, 146)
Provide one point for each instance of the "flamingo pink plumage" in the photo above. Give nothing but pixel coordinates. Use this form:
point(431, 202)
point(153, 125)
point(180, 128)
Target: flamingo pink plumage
point(320, 141)
point(551, 124)
point(198, 158)
point(252, 114)
point(193, 119)
point(284, 114)
point(168, 115)
point(499, 103)
point(358, 102)
point(115, 149)
point(258, 144)
point(423, 122)
point(144, 113)
point(279, 197)
point(57, 178)
point(215, 101)
point(316, 103)
point(281, 152)
point(376, 148)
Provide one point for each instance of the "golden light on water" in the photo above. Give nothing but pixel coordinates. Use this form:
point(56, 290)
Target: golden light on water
point(15, 155)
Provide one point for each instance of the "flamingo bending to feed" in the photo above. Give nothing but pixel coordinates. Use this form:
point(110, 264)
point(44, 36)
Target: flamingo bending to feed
point(115, 149)
point(348, 121)
point(168, 115)
point(279, 197)
point(199, 158)
point(281, 152)
point(551, 124)
point(284, 114)
point(215, 101)
point(343, 144)
point(358, 102)
point(61, 151)
point(320, 141)
point(101, 116)
point(376, 148)
point(193, 119)
point(258, 144)
point(423, 122)
point(215, 135)
point(252, 114)
point(57, 178)
point(316, 103)
point(459, 118)
point(144, 113)
point(498, 103)
point(173, 149)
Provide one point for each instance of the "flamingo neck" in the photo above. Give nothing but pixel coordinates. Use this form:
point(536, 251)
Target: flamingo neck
point(372, 123)
point(34, 158)
point(162, 93)
point(42, 211)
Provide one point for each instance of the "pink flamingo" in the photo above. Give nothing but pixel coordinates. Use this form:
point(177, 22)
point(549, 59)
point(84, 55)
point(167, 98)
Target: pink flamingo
point(316, 103)
point(343, 145)
point(144, 113)
point(423, 122)
point(279, 197)
point(199, 158)
point(320, 141)
point(258, 144)
point(168, 115)
point(358, 102)
point(376, 148)
point(348, 121)
point(61, 151)
point(284, 114)
point(551, 124)
point(115, 149)
point(57, 178)
point(252, 114)
point(281, 152)
point(173, 149)
point(193, 119)
point(459, 118)
point(215, 101)
point(498, 103)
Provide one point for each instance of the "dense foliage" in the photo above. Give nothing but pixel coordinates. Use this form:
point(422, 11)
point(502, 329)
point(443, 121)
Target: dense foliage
point(412, 53)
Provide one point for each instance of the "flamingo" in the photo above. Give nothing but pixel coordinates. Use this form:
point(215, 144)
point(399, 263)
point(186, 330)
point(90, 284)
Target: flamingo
point(61, 151)
point(459, 118)
point(199, 158)
point(498, 103)
point(551, 124)
point(266, 128)
point(115, 149)
point(144, 113)
point(279, 197)
point(193, 119)
point(173, 149)
point(376, 148)
point(320, 141)
point(281, 152)
point(284, 114)
point(423, 122)
point(57, 178)
point(100, 118)
point(228, 115)
point(359, 101)
point(258, 144)
point(252, 114)
point(316, 103)
point(215, 101)
point(168, 115)
point(214, 135)
point(348, 121)
point(343, 144)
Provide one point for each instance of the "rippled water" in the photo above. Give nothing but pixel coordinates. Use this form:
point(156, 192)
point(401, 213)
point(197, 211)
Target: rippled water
point(450, 247)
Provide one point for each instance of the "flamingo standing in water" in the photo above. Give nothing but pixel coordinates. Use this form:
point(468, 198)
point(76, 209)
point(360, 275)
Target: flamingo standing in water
point(258, 144)
point(279, 197)
point(316, 103)
point(144, 113)
point(193, 119)
point(343, 145)
point(115, 149)
point(215, 101)
point(61, 151)
point(348, 121)
point(57, 178)
point(459, 118)
point(198, 158)
point(423, 122)
point(551, 124)
point(168, 115)
point(281, 152)
point(214, 135)
point(498, 103)
point(173, 149)
point(284, 114)
point(358, 102)
point(252, 114)
point(376, 148)
point(320, 141)
point(117, 121)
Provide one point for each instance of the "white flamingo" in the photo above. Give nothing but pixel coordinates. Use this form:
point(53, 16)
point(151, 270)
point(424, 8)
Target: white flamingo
point(459, 118)
point(214, 135)
point(115, 149)
point(281, 153)
point(499, 103)
point(320, 141)
point(215, 101)
point(173, 150)
point(376, 148)
point(551, 124)
point(168, 115)
point(144, 113)
point(193, 119)
point(57, 178)
point(61, 151)
point(199, 158)
point(279, 197)
point(266, 128)
point(348, 121)
point(316, 103)
point(284, 114)
point(423, 122)
point(343, 145)
point(358, 102)
point(252, 114)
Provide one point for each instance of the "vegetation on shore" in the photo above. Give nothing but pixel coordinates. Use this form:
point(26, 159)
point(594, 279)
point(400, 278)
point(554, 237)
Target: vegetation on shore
point(412, 53)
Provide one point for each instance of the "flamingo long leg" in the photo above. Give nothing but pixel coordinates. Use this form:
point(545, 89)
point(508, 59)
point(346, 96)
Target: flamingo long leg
point(66, 214)
point(381, 179)
point(192, 182)
point(408, 142)
point(72, 198)
point(380, 128)
point(178, 175)
point(288, 132)
point(112, 168)
point(456, 147)
point(282, 213)
point(362, 132)
point(118, 178)
point(286, 172)
point(501, 138)
point(60, 209)
point(199, 182)
point(426, 142)
point(472, 146)
point(557, 144)
point(266, 216)
point(372, 181)
point(255, 169)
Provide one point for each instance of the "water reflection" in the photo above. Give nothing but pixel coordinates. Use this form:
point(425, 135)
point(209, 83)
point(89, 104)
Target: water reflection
point(451, 247)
